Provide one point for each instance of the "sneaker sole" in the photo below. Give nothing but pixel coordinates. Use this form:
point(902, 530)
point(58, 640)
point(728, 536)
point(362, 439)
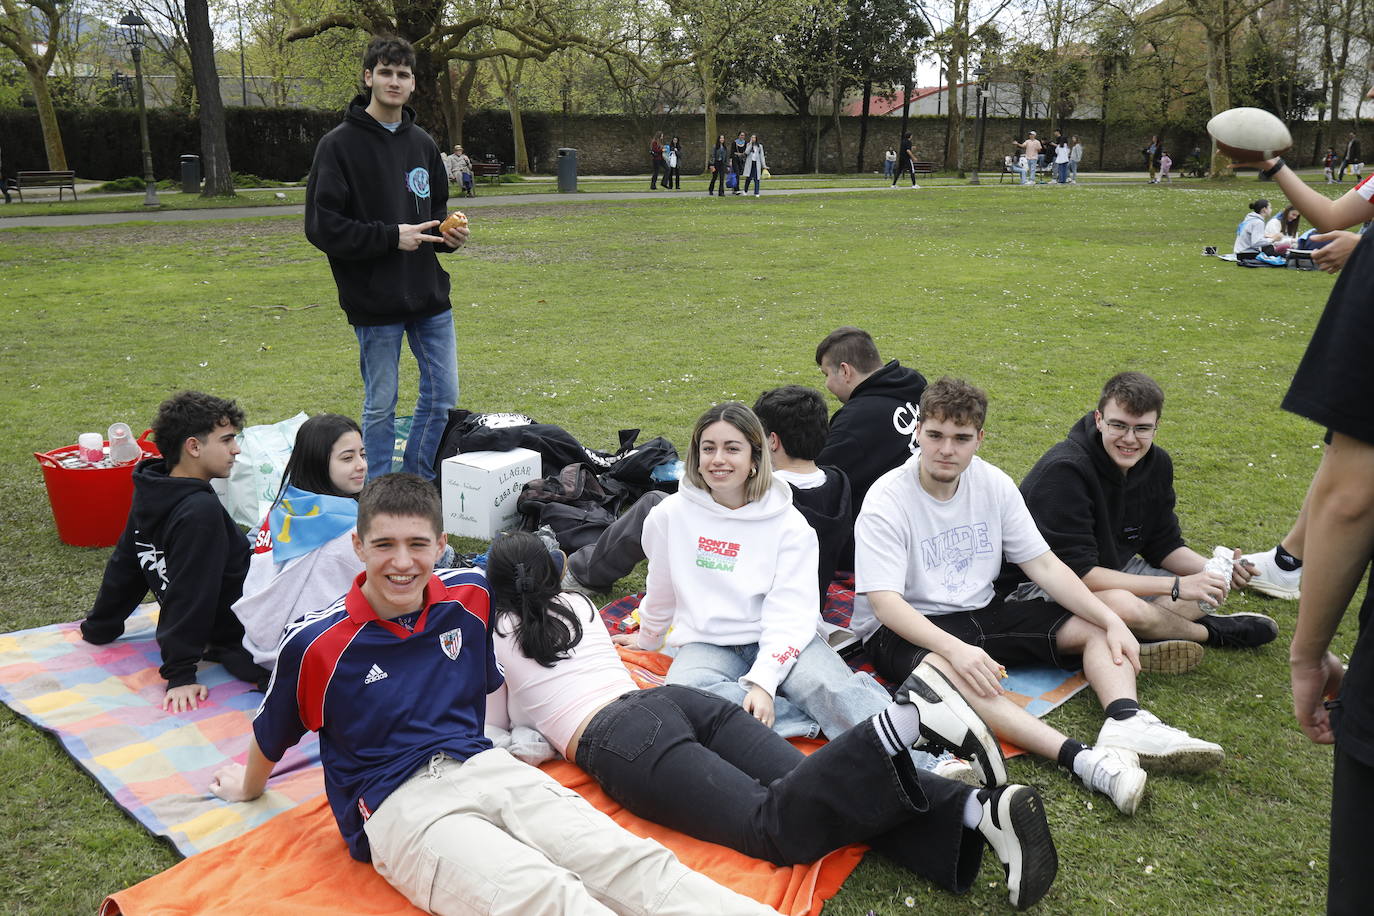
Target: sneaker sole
point(1170, 656)
point(1274, 590)
point(1034, 861)
point(979, 747)
point(1187, 760)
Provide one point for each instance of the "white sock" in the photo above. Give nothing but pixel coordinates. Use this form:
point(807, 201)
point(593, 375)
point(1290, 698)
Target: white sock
point(898, 727)
point(973, 811)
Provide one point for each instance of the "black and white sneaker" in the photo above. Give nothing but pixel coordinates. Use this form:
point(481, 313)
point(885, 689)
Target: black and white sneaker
point(1245, 630)
point(1015, 827)
point(949, 723)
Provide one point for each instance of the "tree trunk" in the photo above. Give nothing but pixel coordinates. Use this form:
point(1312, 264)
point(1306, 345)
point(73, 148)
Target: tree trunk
point(863, 127)
point(706, 73)
point(906, 105)
point(47, 120)
point(214, 145)
point(835, 94)
point(458, 100)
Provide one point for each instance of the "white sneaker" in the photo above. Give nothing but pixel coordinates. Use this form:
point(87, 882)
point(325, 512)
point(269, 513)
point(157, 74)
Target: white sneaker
point(1015, 827)
point(1160, 747)
point(949, 723)
point(1116, 773)
point(1269, 579)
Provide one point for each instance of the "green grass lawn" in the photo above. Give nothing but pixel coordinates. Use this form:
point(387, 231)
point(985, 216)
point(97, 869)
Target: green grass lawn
point(604, 315)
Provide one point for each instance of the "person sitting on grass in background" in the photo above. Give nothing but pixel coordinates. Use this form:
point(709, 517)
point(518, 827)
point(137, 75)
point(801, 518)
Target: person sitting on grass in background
point(929, 542)
point(395, 676)
point(706, 767)
point(795, 422)
point(1103, 499)
point(1251, 243)
point(1283, 230)
point(303, 557)
point(180, 543)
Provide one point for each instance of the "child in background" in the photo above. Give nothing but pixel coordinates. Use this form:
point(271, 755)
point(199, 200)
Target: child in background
point(1329, 162)
point(1165, 163)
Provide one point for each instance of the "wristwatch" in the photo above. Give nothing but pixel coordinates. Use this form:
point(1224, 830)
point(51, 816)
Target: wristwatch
point(1174, 594)
point(1274, 169)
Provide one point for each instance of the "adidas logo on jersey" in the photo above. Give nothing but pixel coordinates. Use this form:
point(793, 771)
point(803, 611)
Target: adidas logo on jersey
point(374, 675)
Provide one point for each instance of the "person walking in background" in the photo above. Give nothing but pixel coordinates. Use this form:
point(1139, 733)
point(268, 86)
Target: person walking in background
point(1075, 157)
point(1151, 153)
point(755, 164)
point(889, 162)
point(1329, 165)
point(717, 165)
point(737, 150)
point(1165, 163)
point(674, 160)
point(656, 155)
point(1061, 160)
point(1352, 160)
point(906, 162)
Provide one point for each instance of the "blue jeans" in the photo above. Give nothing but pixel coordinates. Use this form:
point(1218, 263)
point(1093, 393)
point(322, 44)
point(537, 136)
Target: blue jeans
point(1061, 172)
point(379, 353)
point(694, 762)
point(887, 168)
point(818, 690)
point(1073, 170)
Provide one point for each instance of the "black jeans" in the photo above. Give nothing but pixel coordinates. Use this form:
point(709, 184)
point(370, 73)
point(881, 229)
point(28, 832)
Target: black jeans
point(692, 761)
point(717, 177)
point(672, 178)
point(1350, 881)
point(659, 166)
point(738, 163)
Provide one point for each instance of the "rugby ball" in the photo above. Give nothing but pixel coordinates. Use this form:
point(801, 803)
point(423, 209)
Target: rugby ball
point(1249, 134)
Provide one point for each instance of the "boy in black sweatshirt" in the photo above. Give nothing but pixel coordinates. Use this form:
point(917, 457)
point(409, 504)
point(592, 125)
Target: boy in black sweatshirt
point(1104, 501)
point(180, 543)
point(378, 190)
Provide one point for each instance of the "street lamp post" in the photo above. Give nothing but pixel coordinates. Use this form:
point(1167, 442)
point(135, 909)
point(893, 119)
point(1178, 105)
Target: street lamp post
point(132, 25)
point(979, 73)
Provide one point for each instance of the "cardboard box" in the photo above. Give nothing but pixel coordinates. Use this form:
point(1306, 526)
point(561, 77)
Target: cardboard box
point(480, 489)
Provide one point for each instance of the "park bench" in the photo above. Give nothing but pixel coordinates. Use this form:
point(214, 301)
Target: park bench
point(923, 168)
point(488, 170)
point(60, 180)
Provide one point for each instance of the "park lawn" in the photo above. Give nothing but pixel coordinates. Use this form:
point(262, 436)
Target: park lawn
point(605, 315)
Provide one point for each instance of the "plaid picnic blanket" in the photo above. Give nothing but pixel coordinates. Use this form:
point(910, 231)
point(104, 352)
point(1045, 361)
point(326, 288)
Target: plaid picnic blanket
point(1039, 690)
point(104, 704)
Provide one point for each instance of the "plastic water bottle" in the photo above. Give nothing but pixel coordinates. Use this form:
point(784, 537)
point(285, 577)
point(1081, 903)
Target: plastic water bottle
point(123, 448)
point(1222, 562)
point(91, 448)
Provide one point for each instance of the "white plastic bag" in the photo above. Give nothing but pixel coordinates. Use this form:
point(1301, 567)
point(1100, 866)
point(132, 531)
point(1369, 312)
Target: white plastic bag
point(253, 483)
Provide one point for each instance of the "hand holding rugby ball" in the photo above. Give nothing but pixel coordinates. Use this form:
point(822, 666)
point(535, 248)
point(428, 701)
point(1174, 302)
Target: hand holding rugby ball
point(1249, 135)
point(455, 220)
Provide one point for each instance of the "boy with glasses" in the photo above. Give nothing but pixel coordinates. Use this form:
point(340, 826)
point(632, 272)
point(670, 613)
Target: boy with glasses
point(1104, 500)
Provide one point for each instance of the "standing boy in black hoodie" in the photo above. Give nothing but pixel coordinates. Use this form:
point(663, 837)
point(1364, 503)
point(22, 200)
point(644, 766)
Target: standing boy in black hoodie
point(1104, 501)
point(874, 430)
point(378, 188)
point(794, 418)
point(180, 543)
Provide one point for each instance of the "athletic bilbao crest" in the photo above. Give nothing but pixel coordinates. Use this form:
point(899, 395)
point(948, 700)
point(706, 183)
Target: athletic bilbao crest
point(452, 643)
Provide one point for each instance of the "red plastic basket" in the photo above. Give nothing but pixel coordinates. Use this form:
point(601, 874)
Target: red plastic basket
point(90, 505)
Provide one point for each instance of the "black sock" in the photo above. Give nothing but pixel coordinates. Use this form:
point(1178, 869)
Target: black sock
point(1285, 560)
point(1069, 750)
point(1123, 708)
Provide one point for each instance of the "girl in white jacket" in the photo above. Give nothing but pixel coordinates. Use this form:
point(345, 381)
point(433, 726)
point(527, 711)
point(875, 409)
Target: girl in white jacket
point(755, 164)
point(732, 569)
point(303, 557)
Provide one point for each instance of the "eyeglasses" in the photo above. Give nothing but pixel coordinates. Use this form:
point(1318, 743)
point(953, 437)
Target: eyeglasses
point(1141, 430)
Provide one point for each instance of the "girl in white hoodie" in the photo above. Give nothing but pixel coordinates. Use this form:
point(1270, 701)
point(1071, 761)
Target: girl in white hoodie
point(732, 569)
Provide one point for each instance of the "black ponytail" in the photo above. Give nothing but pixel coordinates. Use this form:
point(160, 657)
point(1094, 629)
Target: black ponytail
point(524, 582)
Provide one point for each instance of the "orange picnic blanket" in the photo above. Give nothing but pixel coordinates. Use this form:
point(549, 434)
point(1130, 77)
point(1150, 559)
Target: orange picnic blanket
point(297, 863)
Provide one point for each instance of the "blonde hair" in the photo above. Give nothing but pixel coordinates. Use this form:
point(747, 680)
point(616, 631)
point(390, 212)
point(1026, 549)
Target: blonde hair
point(743, 419)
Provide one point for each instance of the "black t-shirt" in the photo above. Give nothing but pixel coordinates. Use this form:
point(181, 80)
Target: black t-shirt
point(904, 157)
point(1334, 386)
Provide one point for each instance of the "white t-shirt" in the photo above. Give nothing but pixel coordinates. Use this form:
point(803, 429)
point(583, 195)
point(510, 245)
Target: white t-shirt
point(801, 481)
point(941, 557)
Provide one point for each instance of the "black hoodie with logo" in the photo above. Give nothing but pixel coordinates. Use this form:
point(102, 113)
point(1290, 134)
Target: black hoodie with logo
point(364, 183)
point(180, 543)
point(1093, 515)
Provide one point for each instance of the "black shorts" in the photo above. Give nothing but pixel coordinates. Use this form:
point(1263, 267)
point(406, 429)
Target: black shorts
point(1012, 632)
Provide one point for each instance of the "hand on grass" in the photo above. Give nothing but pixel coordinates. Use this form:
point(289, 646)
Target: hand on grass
point(759, 704)
point(412, 235)
point(228, 783)
point(184, 698)
point(977, 670)
point(1333, 256)
point(1312, 684)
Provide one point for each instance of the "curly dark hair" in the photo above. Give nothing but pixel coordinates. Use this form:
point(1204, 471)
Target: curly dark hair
point(798, 415)
point(388, 49)
point(190, 414)
point(955, 400)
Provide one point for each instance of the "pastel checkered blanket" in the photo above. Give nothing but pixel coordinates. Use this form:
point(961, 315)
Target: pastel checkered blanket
point(104, 704)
